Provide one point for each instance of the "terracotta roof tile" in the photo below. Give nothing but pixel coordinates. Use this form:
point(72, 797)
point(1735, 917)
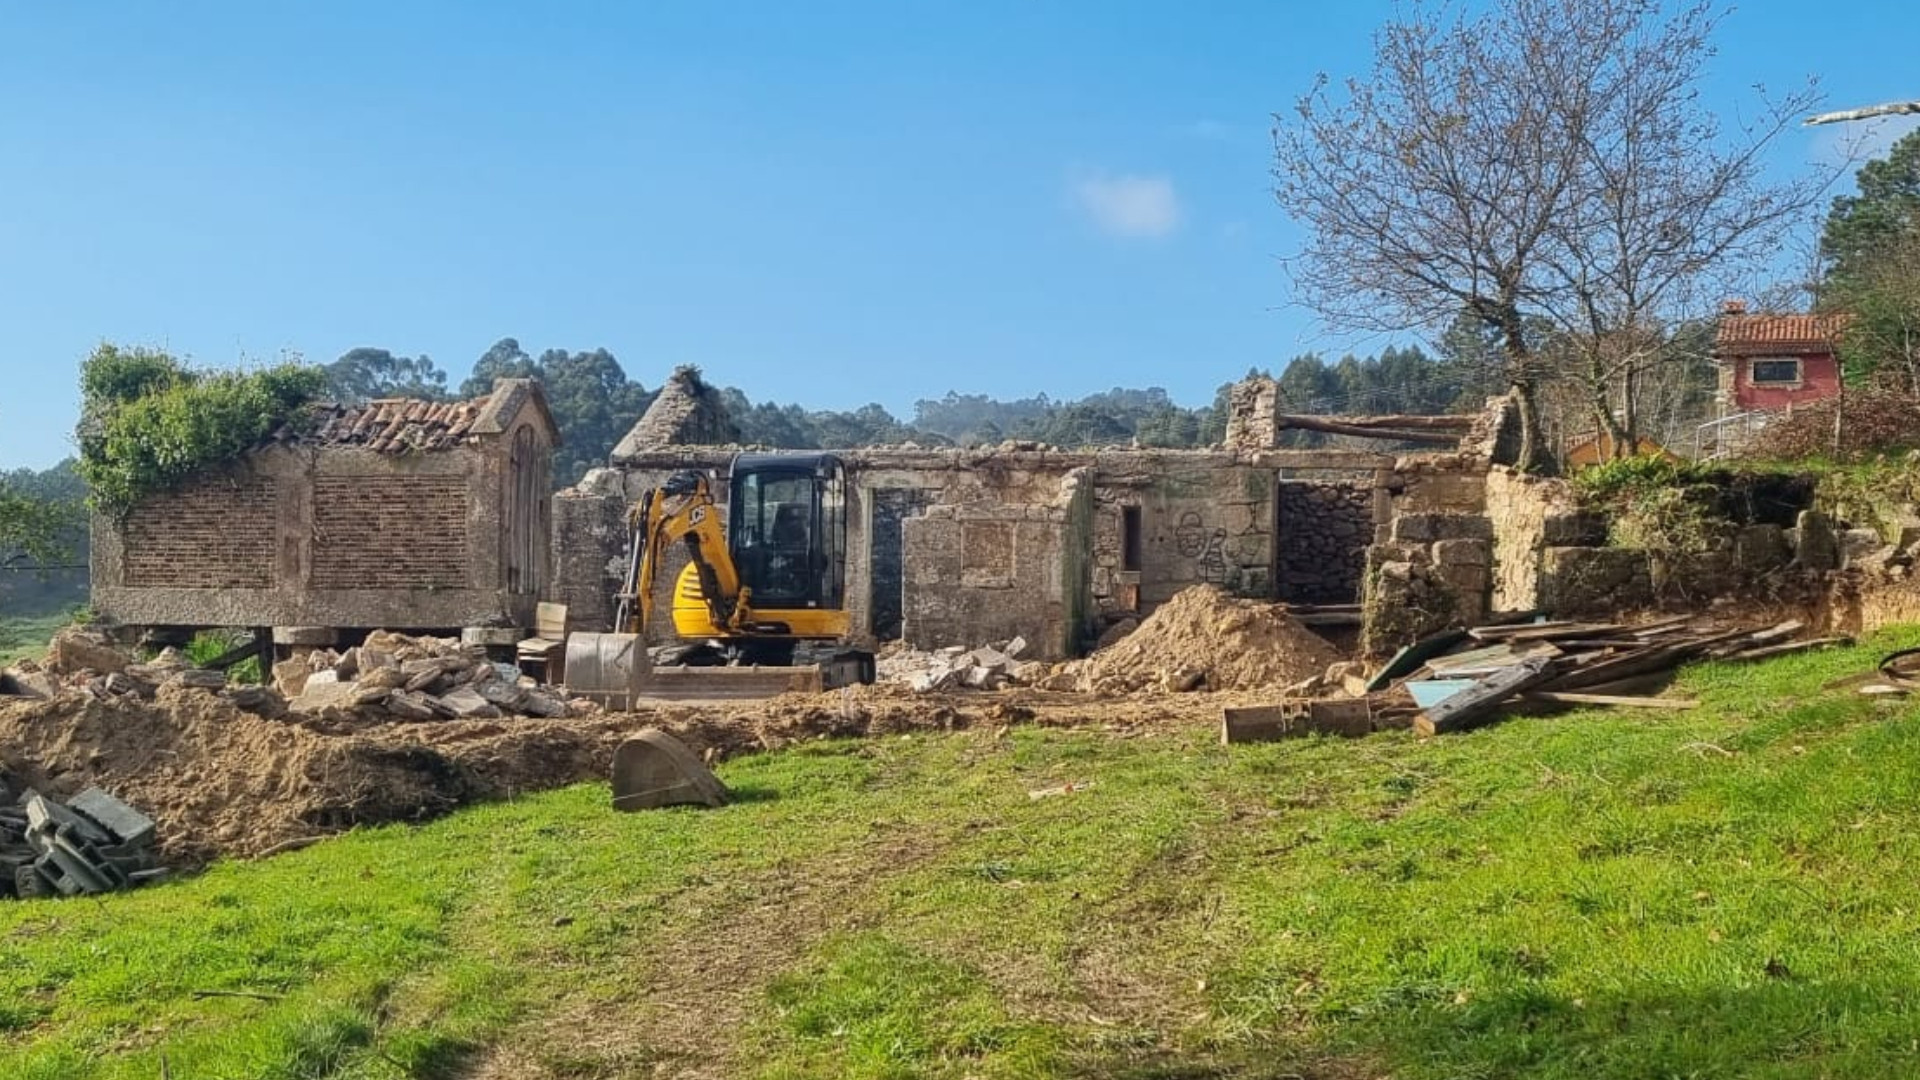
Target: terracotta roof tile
point(1741, 334)
point(391, 425)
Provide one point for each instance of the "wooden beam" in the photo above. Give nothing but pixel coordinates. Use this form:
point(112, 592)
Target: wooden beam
point(1624, 700)
point(1342, 427)
point(1472, 708)
point(1786, 649)
point(1397, 422)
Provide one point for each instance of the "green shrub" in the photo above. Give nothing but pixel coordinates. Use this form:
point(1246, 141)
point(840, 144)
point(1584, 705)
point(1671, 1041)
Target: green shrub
point(209, 645)
point(151, 424)
point(1656, 503)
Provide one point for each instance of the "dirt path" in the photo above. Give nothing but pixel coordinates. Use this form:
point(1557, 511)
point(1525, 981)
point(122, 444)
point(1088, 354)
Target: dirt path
point(699, 977)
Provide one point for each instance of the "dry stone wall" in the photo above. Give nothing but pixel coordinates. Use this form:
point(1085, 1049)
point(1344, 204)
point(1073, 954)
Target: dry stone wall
point(1325, 526)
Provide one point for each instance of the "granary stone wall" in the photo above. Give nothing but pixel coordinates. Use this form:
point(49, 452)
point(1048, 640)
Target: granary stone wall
point(410, 515)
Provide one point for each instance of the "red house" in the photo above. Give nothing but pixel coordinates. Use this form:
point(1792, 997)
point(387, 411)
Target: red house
point(1772, 362)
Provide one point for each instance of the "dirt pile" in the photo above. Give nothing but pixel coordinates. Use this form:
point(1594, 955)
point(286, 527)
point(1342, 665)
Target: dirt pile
point(1205, 639)
point(222, 781)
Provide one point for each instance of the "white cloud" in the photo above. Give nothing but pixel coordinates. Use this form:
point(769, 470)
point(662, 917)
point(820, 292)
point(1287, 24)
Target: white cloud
point(1130, 205)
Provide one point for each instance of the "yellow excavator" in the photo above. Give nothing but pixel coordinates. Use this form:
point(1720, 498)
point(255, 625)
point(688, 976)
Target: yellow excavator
point(767, 583)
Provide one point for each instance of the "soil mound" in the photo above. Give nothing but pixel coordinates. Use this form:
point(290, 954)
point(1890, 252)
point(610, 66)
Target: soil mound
point(221, 781)
point(1203, 638)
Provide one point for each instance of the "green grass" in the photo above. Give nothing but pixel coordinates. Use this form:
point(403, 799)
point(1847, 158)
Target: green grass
point(27, 636)
point(1726, 892)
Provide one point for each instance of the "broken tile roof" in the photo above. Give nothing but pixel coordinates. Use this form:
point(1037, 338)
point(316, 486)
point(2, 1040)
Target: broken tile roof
point(397, 425)
point(1741, 335)
point(411, 425)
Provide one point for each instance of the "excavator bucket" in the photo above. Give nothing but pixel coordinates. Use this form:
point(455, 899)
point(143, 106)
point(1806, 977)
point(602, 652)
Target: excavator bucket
point(606, 668)
point(655, 769)
point(613, 670)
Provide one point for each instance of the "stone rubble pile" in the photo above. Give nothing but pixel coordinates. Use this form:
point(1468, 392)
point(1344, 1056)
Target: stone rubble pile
point(83, 660)
point(412, 678)
point(93, 843)
point(989, 667)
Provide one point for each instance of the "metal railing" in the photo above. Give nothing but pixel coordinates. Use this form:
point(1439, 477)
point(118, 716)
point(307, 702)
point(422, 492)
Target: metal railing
point(1728, 435)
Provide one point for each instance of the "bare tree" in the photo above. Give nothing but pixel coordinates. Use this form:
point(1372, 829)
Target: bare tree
point(1547, 159)
point(1669, 213)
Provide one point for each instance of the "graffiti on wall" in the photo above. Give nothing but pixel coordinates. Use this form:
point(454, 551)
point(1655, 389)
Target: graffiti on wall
point(1207, 547)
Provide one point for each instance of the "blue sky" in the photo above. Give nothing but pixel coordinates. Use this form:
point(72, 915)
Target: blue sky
point(826, 202)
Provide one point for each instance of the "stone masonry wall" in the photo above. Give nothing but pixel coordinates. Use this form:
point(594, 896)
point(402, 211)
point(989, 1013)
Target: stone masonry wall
point(988, 572)
point(1204, 519)
point(589, 537)
point(1432, 572)
point(1253, 414)
point(1325, 526)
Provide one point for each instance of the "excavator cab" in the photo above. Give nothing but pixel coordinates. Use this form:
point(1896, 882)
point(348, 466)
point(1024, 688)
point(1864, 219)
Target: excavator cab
point(787, 529)
point(787, 546)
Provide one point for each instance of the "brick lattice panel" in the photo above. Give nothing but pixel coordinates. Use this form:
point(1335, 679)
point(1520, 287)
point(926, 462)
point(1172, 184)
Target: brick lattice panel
point(211, 536)
point(390, 532)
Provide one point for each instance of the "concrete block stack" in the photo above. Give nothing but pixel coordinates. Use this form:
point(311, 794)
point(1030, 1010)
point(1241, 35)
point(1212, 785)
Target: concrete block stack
point(92, 843)
point(412, 678)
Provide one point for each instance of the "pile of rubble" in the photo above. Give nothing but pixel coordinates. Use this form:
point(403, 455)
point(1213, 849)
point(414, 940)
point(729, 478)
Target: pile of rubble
point(987, 668)
point(93, 843)
point(83, 660)
point(412, 678)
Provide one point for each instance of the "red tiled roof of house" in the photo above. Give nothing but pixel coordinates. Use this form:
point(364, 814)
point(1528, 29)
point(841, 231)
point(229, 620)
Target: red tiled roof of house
point(1743, 334)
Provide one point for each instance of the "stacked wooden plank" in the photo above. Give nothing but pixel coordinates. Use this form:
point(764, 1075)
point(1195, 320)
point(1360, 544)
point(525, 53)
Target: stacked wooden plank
point(1577, 663)
point(1461, 679)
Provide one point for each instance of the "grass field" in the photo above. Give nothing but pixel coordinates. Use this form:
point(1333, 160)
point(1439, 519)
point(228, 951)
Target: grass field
point(1725, 892)
point(27, 635)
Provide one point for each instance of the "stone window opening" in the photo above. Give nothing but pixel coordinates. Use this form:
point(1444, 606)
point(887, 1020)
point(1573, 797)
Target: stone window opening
point(1130, 538)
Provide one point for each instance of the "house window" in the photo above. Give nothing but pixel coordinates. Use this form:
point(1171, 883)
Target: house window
point(1129, 538)
point(1775, 372)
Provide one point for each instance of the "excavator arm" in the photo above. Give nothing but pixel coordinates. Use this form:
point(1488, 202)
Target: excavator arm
point(681, 510)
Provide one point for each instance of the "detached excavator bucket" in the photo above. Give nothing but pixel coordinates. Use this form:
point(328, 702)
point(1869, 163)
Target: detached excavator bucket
point(655, 769)
point(613, 670)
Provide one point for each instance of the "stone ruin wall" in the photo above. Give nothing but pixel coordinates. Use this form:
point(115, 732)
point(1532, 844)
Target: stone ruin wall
point(1324, 529)
point(948, 545)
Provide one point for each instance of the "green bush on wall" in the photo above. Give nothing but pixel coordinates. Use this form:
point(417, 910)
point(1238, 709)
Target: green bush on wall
point(149, 423)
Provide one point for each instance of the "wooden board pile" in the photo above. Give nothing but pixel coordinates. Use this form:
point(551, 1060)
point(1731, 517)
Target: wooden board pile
point(1461, 679)
point(92, 843)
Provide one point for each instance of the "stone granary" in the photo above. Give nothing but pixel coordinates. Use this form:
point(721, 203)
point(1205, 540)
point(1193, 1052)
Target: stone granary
point(395, 513)
point(960, 547)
